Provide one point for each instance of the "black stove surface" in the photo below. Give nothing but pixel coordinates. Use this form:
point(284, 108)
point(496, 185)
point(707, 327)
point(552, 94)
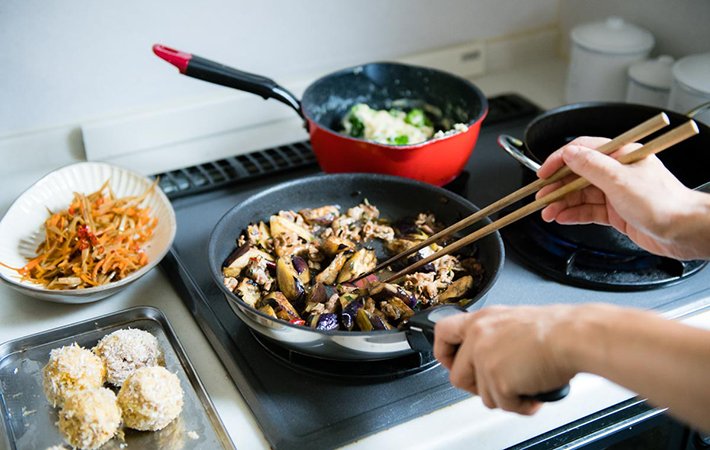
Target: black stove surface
point(297, 408)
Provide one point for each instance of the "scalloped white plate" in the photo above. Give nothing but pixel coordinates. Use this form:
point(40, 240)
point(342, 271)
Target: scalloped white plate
point(22, 227)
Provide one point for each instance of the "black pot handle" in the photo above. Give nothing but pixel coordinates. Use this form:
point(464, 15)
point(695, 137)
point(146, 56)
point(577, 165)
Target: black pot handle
point(214, 72)
point(420, 335)
point(515, 148)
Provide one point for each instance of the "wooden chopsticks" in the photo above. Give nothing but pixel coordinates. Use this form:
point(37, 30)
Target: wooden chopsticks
point(657, 145)
point(637, 133)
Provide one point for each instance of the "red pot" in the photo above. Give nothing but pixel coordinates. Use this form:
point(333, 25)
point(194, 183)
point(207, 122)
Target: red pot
point(447, 98)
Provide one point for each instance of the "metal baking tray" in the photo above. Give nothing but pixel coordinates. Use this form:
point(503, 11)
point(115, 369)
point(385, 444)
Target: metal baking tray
point(30, 421)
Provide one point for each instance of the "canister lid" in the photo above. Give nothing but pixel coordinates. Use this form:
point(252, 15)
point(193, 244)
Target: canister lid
point(694, 72)
point(656, 73)
point(613, 35)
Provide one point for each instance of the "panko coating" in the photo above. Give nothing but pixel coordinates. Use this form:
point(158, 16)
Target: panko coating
point(124, 351)
point(90, 418)
point(150, 398)
point(71, 368)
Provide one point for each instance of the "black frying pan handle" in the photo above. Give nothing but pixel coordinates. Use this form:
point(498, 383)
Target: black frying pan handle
point(213, 72)
point(420, 335)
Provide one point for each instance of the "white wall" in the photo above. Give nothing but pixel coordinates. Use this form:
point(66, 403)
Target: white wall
point(66, 61)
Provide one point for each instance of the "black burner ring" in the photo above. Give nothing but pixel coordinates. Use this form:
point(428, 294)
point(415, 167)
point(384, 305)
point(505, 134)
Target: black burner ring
point(548, 254)
point(350, 370)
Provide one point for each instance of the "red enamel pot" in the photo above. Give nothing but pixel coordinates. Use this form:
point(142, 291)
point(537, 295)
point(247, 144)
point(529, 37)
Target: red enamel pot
point(446, 98)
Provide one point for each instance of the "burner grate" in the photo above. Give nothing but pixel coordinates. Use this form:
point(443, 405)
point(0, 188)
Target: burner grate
point(216, 174)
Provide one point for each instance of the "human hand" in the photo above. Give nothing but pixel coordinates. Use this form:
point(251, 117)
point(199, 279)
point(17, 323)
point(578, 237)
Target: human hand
point(502, 353)
point(642, 200)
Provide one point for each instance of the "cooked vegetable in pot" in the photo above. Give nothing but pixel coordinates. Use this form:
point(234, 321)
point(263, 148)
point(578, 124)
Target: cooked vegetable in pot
point(393, 126)
point(298, 268)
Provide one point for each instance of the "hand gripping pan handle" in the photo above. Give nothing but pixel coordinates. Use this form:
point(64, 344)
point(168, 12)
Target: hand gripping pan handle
point(420, 335)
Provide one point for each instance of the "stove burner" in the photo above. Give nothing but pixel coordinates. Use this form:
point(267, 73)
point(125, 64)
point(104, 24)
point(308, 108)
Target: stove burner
point(548, 254)
point(364, 371)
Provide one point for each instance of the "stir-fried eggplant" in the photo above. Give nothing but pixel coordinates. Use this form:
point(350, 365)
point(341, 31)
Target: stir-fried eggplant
point(288, 280)
point(389, 290)
point(320, 216)
point(330, 274)
point(332, 245)
point(370, 321)
point(281, 306)
point(240, 257)
point(457, 289)
point(281, 226)
point(396, 310)
point(362, 261)
point(298, 266)
point(248, 290)
point(326, 321)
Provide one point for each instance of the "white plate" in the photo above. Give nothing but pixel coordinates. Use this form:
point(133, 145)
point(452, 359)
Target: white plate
point(22, 227)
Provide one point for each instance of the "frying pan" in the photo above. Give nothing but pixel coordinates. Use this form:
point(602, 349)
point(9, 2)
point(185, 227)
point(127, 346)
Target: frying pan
point(446, 98)
point(396, 198)
point(688, 161)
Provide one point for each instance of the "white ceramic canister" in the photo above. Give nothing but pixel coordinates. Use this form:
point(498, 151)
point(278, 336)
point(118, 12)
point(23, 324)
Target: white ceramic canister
point(601, 54)
point(691, 85)
point(649, 82)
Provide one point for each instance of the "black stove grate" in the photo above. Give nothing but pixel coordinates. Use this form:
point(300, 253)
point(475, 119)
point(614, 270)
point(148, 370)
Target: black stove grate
point(224, 172)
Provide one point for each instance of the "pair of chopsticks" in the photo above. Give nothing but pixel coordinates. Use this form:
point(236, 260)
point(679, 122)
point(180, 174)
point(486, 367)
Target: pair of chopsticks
point(646, 128)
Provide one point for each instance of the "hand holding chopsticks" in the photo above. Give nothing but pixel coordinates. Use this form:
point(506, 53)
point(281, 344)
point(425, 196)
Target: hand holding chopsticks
point(637, 133)
point(657, 145)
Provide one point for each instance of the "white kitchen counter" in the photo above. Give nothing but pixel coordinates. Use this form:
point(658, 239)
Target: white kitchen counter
point(467, 424)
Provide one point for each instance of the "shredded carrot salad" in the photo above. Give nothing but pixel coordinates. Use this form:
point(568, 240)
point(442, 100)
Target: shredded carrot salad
point(98, 239)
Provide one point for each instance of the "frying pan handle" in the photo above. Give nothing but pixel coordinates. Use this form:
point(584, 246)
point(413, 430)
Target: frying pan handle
point(420, 335)
point(214, 72)
point(514, 147)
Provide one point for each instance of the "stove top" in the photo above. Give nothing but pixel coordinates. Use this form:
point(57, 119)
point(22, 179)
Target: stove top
point(296, 403)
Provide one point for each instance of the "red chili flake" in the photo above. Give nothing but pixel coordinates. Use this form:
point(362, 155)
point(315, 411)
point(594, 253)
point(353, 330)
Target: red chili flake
point(86, 237)
point(297, 321)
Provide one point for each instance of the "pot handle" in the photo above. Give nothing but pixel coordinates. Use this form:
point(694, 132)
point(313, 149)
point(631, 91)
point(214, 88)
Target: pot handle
point(697, 110)
point(214, 72)
point(514, 147)
point(420, 335)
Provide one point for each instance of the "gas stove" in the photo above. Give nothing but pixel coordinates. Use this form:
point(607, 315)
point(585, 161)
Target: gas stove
point(300, 402)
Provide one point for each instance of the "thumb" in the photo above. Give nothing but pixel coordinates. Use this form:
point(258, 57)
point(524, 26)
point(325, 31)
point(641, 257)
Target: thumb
point(599, 169)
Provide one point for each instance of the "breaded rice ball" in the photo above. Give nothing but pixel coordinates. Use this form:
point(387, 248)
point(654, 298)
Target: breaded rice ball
point(71, 368)
point(124, 351)
point(89, 418)
point(150, 398)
